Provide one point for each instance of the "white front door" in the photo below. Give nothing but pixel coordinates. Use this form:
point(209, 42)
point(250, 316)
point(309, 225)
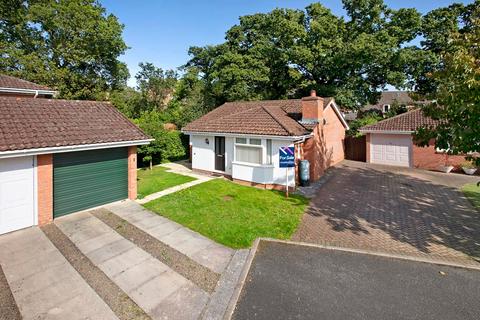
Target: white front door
point(391, 149)
point(16, 194)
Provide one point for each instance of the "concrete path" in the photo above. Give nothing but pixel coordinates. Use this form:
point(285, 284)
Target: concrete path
point(44, 284)
point(179, 169)
point(157, 289)
point(197, 247)
point(163, 193)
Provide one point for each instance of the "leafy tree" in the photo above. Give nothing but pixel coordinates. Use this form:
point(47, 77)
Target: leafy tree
point(128, 101)
point(168, 145)
point(457, 92)
point(70, 45)
point(285, 53)
point(396, 109)
point(155, 85)
point(191, 99)
point(367, 119)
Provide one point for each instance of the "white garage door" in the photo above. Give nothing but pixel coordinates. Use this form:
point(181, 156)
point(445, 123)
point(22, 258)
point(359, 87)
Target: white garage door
point(391, 149)
point(16, 193)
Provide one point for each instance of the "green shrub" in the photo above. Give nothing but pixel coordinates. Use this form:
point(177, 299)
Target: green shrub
point(356, 124)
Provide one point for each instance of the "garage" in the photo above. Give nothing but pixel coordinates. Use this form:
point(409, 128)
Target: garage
point(17, 193)
point(391, 149)
point(87, 179)
point(62, 156)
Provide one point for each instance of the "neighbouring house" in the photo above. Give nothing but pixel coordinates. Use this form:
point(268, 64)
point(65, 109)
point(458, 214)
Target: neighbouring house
point(241, 140)
point(391, 142)
point(389, 98)
point(61, 156)
point(384, 104)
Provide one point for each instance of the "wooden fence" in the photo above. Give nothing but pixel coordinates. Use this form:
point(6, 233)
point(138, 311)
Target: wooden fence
point(356, 148)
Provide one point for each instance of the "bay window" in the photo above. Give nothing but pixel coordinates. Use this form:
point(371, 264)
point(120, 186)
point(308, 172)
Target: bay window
point(249, 150)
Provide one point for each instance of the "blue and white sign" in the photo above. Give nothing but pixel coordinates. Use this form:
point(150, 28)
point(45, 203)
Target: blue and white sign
point(287, 157)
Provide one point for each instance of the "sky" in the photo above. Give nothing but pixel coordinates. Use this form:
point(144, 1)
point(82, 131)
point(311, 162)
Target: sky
point(161, 32)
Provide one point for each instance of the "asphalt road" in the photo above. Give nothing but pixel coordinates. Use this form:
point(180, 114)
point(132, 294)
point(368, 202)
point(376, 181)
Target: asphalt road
point(288, 281)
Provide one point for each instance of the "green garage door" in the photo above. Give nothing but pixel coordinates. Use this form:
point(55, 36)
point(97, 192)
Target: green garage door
point(86, 179)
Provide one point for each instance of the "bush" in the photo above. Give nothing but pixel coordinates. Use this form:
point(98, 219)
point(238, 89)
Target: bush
point(356, 124)
point(168, 145)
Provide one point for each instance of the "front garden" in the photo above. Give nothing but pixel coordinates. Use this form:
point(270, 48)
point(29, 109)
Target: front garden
point(158, 179)
point(231, 214)
point(472, 192)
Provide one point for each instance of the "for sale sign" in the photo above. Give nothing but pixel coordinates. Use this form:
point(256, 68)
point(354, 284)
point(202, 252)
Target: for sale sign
point(287, 157)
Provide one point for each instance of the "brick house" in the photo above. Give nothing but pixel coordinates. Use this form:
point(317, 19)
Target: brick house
point(60, 156)
point(390, 142)
point(241, 140)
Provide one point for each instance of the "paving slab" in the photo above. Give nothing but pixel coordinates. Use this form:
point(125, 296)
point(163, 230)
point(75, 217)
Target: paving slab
point(44, 284)
point(197, 247)
point(122, 261)
point(200, 275)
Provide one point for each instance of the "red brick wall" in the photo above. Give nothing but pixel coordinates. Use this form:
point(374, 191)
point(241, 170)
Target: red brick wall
point(132, 172)
point(325, 148)
point(45, 188)
point(314, 152)
point(334, 132)
point(312, 108)
point(428, 158)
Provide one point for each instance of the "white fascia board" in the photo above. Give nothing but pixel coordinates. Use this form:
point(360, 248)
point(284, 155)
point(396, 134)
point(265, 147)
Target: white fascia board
point(83, 147)
point(27, 91)
point(386, 131)
point(286, 138)
point(339, 114)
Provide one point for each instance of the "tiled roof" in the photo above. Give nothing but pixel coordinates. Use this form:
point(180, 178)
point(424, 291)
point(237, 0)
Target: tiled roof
point(27, 123)
point(12, 82)
point(405, 122)
point(267, 117)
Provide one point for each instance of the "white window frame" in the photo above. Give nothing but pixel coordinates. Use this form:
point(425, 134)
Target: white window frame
point(261, 146)
point(384, 108)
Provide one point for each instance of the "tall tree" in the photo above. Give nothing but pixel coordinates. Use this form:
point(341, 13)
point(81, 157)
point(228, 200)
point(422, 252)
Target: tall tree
point(70, 45)
point(457, 89)
point(155, 85)
point(285, 53)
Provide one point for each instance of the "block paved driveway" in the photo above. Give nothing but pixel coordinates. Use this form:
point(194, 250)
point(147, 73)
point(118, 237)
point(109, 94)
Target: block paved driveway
point(394, 210)
point(116, 262)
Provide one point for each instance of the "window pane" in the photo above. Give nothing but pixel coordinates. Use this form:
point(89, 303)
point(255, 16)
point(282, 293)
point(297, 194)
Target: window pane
point(248, 154)
point(269, 151)
point(257, 142)
point(241, 140)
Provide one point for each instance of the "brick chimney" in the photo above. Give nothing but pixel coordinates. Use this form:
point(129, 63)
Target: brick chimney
point(312, 108)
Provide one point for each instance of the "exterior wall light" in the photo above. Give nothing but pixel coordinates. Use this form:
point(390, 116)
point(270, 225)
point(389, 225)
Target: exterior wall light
point(207, 141)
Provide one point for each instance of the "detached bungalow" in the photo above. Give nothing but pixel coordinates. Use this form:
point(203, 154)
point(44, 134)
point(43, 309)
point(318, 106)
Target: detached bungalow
point(390, 142)
point(241, 140)
point(61, 156)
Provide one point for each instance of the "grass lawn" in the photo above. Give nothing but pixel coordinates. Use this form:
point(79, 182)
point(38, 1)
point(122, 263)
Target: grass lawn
point(232, 214)
point(472, 192)
point(158, 179)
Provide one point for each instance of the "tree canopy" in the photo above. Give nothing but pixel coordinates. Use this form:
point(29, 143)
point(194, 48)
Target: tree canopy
point(287, 52)
point(456, 94)
point(70, 45)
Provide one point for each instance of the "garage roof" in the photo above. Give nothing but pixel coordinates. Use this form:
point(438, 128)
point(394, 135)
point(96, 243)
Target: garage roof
point(405, 122)
point(12, 82)
point(28, 123)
